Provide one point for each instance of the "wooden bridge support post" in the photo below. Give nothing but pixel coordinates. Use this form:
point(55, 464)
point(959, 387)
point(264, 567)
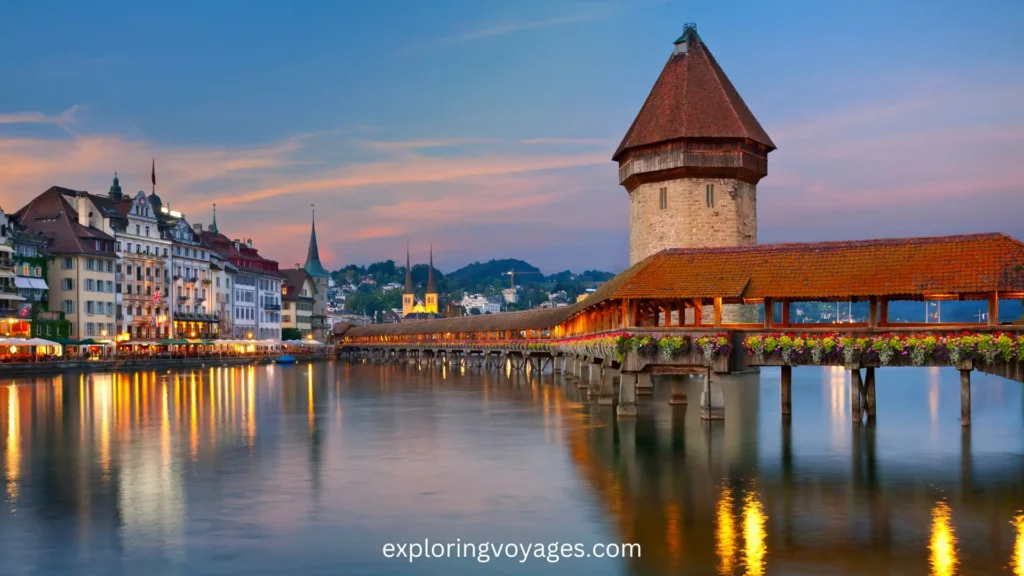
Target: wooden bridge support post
point(583, 372)
point(869, 394)
point(678, 393)
point(712, 402)
point(607, 394)
point(644, 384)
point(787, 392)
point(569, 372)
point(627, 396)
point(596, 375)
point(965, 397)
point(856, 391)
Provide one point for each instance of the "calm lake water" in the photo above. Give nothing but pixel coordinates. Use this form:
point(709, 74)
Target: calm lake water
point(312, 469)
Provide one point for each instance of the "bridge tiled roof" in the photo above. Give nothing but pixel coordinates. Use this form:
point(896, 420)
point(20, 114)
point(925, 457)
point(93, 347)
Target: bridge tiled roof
point(966, 264)
point(884, 267)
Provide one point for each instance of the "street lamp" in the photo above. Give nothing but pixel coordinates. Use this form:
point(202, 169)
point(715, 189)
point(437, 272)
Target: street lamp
point(103, 332)
point(249, 335)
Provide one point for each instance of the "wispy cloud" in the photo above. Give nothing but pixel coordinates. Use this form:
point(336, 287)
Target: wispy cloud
point(570, 141)
point(506, 28)
point(385, 146)
point(65, 117)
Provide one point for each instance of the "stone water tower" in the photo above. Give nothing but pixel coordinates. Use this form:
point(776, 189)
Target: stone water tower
point(692, 159)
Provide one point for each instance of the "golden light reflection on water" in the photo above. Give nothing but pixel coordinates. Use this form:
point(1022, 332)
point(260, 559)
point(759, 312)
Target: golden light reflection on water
point(12, 455)
point(837, 381)
point(943, 542)
point(1017, 561)
point(755, 546)
point(725, 532)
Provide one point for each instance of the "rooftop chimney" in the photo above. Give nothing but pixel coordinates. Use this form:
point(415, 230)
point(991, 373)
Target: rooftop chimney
point(298, 266)
point(248, 242)
point(198, 227)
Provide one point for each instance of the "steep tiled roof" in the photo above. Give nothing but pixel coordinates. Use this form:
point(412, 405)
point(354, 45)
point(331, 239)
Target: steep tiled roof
point(224, 247)
point(692, 98)
point(52, 215)
point(293, 281)
point(884, 267)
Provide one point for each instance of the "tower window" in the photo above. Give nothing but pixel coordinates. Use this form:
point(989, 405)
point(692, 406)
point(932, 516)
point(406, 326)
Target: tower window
point(709, 192)
point(663, 198)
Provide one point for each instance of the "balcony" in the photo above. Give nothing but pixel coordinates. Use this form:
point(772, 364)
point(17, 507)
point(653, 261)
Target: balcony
point(274, 307)
point(176, 277)
point(182, 298)
point(191, 280)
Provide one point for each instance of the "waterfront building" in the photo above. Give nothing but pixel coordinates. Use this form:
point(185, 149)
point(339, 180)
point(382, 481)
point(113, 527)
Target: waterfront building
point(79, 234)
point(320, 278)
point(12, 304)
point(31, 262)
point(188, 274)
point(256, 301)
point(298, 301)
point(142, 281)
point(223, 273)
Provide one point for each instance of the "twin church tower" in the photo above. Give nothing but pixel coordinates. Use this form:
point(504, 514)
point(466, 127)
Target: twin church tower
point(428, 307)
point(692, 159)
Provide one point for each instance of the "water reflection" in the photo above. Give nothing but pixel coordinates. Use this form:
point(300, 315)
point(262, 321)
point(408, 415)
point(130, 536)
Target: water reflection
point(755, 546)
point(943, 542)
point(725, 534)
point(12, 455)
point(243, 469)
point(1017, 562)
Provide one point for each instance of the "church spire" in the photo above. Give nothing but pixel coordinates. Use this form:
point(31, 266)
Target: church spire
point(430, 273)
point(213, 226)
point(313, 266)
point(408, 273)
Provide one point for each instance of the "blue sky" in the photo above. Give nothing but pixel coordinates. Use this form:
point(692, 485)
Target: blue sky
point(487, 128)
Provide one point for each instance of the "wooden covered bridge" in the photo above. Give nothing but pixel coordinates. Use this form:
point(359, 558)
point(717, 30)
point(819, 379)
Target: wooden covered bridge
point(702, 311)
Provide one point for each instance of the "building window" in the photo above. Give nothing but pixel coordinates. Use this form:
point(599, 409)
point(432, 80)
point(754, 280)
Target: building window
point(37, 272)
point(709, 192)
point(68, 284)
point(69, 306)
point(110, 285)
point(118, 244)
point(129, 244)
point(68, 264)
point(147, 231)
point(89, 307)
point(89, 286)
point(663, 198)
point(110, 266)
point(110, 308)
point(90, 329)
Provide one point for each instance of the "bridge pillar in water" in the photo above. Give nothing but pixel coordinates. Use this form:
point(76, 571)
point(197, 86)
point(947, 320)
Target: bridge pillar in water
point(582, 369)
point(856, 392)
point(607, 394)
point(869, 394)
point(965, 397)
point(627, 396)
point(644, 384)
point(677, 396)
point(786, 392)
point(594, 380)
point(712, 401)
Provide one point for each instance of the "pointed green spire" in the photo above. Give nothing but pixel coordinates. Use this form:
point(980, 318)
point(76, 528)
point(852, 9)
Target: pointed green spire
point(213, 227)
point(313, 266)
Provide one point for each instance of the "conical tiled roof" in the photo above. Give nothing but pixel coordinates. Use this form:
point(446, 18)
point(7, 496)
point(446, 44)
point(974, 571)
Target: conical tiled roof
point(693, 98)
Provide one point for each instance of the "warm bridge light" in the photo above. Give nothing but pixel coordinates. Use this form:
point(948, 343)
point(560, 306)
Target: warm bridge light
point(934, 297)
point(943, 542)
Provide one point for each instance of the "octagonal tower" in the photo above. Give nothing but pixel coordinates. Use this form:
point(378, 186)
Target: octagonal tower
point(692, 158)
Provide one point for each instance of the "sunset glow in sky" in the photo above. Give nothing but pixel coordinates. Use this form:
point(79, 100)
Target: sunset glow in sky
point(487, 128)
